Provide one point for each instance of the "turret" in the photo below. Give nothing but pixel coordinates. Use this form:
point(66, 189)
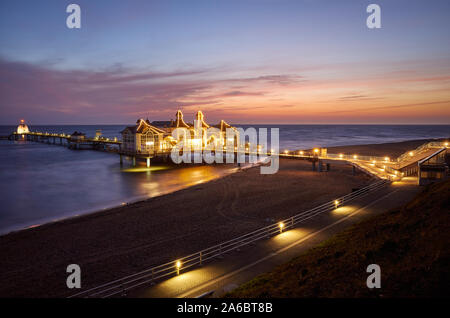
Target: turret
point(22, 128)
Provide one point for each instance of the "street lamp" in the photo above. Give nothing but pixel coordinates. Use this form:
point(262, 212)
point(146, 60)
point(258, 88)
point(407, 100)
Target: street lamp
point(281, 226)
point(178, 266)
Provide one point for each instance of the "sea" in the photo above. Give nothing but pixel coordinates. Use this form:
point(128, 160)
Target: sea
point(41, 183)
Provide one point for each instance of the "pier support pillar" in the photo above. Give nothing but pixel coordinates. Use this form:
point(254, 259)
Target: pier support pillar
point(134, 161)
point(148, 162)
point(353, 170)
point(319, 166)
point(313, 166)
point(121, 160)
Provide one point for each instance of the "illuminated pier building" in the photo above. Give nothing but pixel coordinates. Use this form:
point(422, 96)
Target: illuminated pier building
point(145, 138)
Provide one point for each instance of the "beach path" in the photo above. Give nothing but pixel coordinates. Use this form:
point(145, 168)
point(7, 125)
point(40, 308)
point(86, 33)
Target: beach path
point(221, 276)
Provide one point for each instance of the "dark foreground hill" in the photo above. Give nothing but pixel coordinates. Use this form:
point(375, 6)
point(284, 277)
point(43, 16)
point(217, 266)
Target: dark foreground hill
point(410, 244)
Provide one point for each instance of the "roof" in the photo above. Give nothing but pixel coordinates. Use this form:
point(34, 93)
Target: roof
point(143, 126)
point(179, 122)
point(432, 155)
point(161, 123)
point(76, 133)
point(132, 129)
point(223, 125)
point(200, 119)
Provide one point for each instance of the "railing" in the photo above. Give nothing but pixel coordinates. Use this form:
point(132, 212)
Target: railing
point(352, 157)
point(424, 147)
point(122, 285)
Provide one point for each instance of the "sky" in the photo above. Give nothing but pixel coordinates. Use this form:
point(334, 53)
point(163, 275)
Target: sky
point(246, 61)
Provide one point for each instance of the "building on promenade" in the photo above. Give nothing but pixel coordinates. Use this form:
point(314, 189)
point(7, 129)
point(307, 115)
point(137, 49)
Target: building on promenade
point(146, 138)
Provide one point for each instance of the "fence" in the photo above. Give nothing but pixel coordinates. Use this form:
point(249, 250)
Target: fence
point(356, 157)
point(424, 147)
point(122, 285)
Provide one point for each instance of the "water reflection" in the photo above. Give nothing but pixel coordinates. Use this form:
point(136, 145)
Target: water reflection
point(41, 183)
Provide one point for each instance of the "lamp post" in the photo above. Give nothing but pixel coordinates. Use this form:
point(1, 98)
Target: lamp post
point(281, 226)
point(178, 266)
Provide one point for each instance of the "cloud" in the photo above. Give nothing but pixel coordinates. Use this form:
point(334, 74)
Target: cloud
point(240, 93)
point(46, 94)
point(280, 79)
point(31, 90)
point(393, 106)
point(359, 97)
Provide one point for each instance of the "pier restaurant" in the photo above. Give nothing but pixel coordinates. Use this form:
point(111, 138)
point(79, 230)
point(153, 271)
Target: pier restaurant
point(147, 138)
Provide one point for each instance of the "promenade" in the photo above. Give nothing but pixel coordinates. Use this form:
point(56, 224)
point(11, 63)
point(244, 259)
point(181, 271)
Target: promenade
point(223, 275)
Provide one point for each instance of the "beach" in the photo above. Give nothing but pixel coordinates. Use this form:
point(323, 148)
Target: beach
point(120, 241)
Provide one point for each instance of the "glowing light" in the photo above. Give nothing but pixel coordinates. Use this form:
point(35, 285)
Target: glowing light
point(286, 151)
point(316, 150)
point(336, 203)
point(386, 158)
point(281, 226)
point(446, 144)
point(355, 157)
point(374, 162)
point(149, 143)
point(341, 156)
point(178, 265)
point(301, 153)
point(411, 153)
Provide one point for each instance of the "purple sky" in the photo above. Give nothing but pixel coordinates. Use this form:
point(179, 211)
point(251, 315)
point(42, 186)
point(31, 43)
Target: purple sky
point(254, 61)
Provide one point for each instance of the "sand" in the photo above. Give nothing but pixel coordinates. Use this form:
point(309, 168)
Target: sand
point(124, 240)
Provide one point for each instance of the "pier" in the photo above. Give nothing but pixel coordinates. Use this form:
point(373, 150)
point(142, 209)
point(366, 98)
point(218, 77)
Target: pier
point(427, 162)
point(70, 141)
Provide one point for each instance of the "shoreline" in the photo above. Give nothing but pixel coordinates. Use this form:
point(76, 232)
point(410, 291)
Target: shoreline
point(124, 240)
point(130, 201)
point(390, 149)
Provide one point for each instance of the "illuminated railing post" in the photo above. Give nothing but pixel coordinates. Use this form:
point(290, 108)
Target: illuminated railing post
point(281, 226)
point(178, 266)
point(336, 203)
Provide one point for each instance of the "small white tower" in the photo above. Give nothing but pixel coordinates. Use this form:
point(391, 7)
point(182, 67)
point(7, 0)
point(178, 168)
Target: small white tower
point(22, 128)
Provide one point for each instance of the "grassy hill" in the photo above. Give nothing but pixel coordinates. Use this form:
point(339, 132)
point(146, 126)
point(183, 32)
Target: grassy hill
point(410, 244)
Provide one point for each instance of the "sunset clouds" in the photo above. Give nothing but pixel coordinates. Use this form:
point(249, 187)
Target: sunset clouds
point(242, 61)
